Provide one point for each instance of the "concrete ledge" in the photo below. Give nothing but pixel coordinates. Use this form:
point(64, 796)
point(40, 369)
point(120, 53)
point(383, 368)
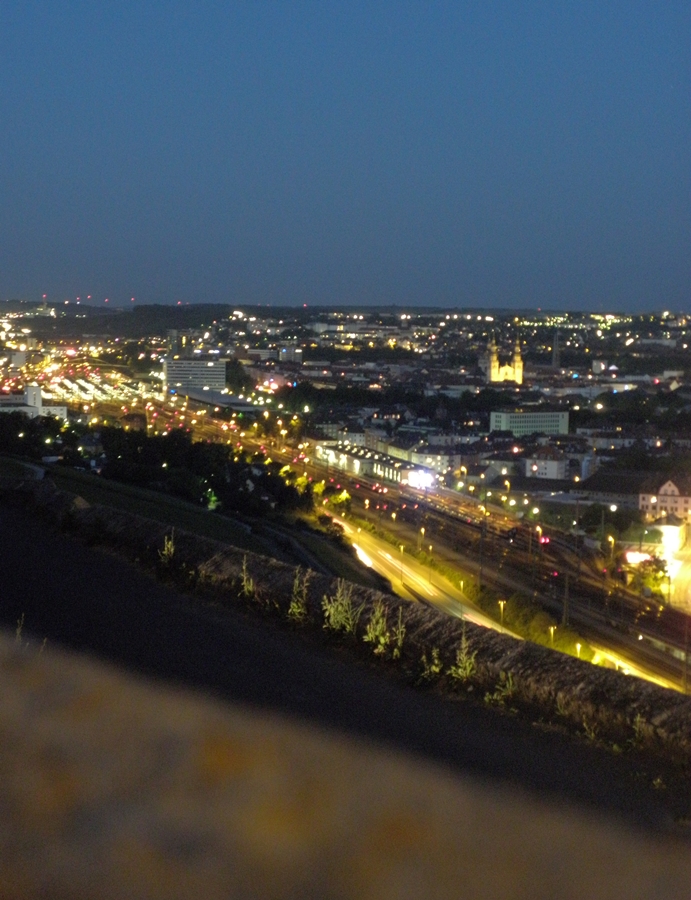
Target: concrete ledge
point(117, 788)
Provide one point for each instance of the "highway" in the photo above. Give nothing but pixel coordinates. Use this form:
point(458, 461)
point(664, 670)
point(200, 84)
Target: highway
point(411, 579)
point(414, 581)
point(628, 666)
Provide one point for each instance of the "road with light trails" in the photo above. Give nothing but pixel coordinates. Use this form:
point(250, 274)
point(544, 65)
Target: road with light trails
point(625, 665)
point(414, 581)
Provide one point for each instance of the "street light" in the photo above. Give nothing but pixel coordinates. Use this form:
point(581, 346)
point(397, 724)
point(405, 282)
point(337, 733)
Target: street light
point(612, 508)
point(552, 629)
point(610, 538)
point(419, 539)
point(578, 650)
point(502, 604)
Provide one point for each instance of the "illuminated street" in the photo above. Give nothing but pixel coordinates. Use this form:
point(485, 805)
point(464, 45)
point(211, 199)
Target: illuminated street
point(410, 579)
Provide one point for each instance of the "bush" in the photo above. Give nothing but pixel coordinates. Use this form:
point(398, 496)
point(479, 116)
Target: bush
point(465, 666)
point(297, 611)
point(432, 666)
point(377, 632)
point(339, 612)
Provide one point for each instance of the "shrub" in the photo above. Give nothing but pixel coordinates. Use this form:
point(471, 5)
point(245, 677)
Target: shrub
point(248, 586)
point(465, 665)
point(590, 729)
point(297, 611)
point(377, 632)
point(641, 730)
point(339, 612)
point(562, 709)
point(167, 554)
point(432, 667)
point(504, 690)
point(398, 635)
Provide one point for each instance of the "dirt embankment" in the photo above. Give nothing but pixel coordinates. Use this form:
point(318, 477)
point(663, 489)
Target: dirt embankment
point(428, 646)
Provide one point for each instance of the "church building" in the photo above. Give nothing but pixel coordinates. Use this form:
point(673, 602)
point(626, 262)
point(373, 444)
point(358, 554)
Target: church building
point(495, 371)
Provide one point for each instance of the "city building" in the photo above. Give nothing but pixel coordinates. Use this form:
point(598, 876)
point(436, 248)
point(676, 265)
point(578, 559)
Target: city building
point(495, 371)
point(194, 372)
point(546, 462)
point(662, 496)
point(30, 403)
point(290, 355)
point(363, 462)
point(611, 486)
point(524, 422)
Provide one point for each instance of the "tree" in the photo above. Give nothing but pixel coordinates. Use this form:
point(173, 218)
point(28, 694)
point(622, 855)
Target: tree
point(238, 378)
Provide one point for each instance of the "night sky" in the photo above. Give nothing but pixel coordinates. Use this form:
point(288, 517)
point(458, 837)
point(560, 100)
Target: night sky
point(504, 154)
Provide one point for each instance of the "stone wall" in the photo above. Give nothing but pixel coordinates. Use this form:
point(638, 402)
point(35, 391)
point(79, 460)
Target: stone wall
point(114, 788)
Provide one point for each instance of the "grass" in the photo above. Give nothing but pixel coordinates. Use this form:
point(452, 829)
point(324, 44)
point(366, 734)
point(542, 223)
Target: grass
point(186, 516)
point(398, 635)
point(197, 520)
point(152, 505)
point(13, 468)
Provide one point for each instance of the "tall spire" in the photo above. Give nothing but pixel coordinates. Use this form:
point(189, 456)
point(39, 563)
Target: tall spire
point(555, 351)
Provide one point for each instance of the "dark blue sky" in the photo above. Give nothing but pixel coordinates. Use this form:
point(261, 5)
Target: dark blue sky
point(462, 153)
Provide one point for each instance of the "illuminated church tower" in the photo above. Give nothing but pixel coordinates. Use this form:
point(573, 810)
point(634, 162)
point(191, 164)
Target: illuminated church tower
point(517, 363)
point(495, 371)
point(493, 357)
